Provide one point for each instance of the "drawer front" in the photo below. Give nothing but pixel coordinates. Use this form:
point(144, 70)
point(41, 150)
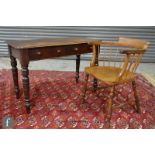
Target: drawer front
point(58, 51)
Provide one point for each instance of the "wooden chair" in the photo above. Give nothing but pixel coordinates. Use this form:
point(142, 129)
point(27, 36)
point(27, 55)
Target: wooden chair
point(112, 71)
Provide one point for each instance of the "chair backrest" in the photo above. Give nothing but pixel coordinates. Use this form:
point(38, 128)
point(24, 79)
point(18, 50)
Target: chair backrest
point(125, 54)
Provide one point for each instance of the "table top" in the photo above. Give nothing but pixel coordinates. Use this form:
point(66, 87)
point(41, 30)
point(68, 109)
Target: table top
point(35, 43)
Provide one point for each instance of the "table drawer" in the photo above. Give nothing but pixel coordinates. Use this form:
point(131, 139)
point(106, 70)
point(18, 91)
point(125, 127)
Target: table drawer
point(58, 51)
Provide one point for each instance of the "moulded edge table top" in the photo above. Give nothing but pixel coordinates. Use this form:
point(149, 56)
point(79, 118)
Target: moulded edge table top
point(35, 43)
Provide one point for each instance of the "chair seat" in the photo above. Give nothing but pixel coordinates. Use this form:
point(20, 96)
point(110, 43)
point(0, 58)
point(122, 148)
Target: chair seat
point(108, 74)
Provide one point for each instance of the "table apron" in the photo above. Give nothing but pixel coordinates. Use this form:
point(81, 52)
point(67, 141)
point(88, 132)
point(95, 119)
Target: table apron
point(58, 51)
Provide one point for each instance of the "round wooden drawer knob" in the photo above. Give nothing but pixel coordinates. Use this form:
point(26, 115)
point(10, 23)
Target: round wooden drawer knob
point(76, 49)
point(58, 51)
point(39, 53)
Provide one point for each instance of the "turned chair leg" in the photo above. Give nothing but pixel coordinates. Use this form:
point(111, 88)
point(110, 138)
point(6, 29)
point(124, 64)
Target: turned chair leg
point(111, 96)
point(85, 88)
point(136, 96)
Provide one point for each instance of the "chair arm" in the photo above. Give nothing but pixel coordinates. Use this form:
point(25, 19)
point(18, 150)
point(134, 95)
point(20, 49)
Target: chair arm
point(106, 43)
point(139, 51)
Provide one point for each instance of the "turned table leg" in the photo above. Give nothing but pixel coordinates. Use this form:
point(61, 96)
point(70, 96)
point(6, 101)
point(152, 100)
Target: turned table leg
point(95, 84)
point(77, 68)
point(25, 73)
point(15, 76)
point(85, 88)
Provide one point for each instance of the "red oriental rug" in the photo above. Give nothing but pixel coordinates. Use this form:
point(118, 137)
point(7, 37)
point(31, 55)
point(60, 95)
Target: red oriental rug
point(55, 98)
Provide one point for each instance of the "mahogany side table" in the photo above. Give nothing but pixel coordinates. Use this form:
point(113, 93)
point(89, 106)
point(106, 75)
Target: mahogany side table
point(31, 50)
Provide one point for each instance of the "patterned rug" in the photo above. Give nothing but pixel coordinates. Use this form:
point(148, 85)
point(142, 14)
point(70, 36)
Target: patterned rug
point(150, 78)
point(56, 103)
